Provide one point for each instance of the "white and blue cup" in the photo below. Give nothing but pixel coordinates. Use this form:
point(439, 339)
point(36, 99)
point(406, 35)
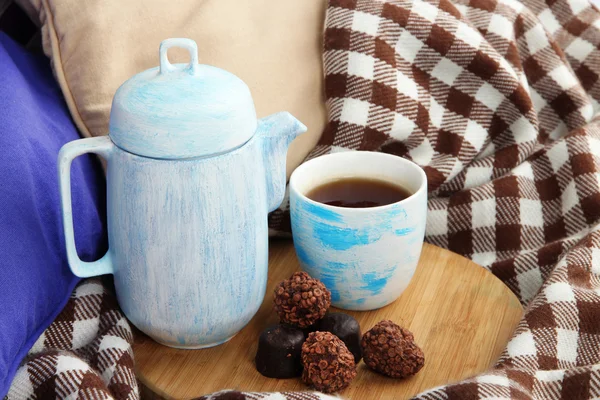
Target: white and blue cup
point(366, 257)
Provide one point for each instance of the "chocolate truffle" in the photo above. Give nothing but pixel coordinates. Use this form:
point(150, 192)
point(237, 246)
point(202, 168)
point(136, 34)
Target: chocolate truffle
point(346, 328)
point(301, 300)
point(391, 350)
point(279, 352)
point(328, 364)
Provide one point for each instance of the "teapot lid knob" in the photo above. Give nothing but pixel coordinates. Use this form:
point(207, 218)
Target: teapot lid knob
point(182, 110)
point(188, 44)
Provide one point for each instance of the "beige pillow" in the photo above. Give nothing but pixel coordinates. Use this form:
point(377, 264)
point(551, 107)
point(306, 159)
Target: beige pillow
point(275, 46)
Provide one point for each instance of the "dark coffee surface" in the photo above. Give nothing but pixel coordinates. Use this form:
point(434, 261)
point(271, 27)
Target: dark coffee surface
point(358, 193)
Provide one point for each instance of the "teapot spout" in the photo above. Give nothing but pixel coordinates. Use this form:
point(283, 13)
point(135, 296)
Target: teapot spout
point(276, 132)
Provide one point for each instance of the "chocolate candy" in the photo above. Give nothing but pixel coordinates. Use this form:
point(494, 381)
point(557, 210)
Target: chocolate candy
point(279, 352)
point(301, 300)
point(346, 328)
point(391, 350)
point(328, 364)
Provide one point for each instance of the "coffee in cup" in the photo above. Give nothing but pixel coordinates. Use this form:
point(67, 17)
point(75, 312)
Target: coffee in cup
point(358, 223)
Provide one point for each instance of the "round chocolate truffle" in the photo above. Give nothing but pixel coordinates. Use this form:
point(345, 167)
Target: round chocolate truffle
point(391, 350)
point(279, 352)
point(328, 364)
point(301, 300)
point(346, 328)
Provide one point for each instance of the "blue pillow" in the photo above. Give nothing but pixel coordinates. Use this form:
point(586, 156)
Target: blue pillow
point(35, 280)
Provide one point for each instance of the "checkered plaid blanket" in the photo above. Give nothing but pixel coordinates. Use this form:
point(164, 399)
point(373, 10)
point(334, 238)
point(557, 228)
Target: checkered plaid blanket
point(497, 100)
point(85, 353)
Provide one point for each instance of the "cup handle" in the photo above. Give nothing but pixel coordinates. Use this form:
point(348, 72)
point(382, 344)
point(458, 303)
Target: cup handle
point(102, 146)
point(188, 44)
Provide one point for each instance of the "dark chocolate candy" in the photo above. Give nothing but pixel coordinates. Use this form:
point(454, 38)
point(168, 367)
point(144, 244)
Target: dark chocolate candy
point(306, 331)
point(346, 328)
point(279, 352)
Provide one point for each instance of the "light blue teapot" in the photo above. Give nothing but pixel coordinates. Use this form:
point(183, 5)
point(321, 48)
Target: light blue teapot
point(191, 176)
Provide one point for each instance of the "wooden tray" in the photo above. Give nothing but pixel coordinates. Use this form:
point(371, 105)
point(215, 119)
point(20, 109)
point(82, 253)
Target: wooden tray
point(461, 315)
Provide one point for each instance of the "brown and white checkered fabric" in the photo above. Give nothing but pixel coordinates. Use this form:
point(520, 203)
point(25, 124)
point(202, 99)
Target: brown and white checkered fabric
point(234, 395)
point(497, 100)
point(86, 352)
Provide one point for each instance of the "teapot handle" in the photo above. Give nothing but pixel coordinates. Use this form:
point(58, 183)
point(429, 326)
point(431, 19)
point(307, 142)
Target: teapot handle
point(102, 146)
point(188, 44)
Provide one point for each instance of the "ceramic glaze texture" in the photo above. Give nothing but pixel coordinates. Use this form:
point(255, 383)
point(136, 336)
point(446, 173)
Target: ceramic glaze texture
point(190, 253)
point(191, 177)
point(178, 111)
point(366, 257)
point(188, 238)
point(145, 108)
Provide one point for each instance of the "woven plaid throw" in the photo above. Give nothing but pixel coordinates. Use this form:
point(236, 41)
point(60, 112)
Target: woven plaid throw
point(234, 395)
point(85, 353)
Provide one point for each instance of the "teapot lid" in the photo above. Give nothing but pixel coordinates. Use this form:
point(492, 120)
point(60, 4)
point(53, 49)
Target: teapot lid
point(177, 111)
